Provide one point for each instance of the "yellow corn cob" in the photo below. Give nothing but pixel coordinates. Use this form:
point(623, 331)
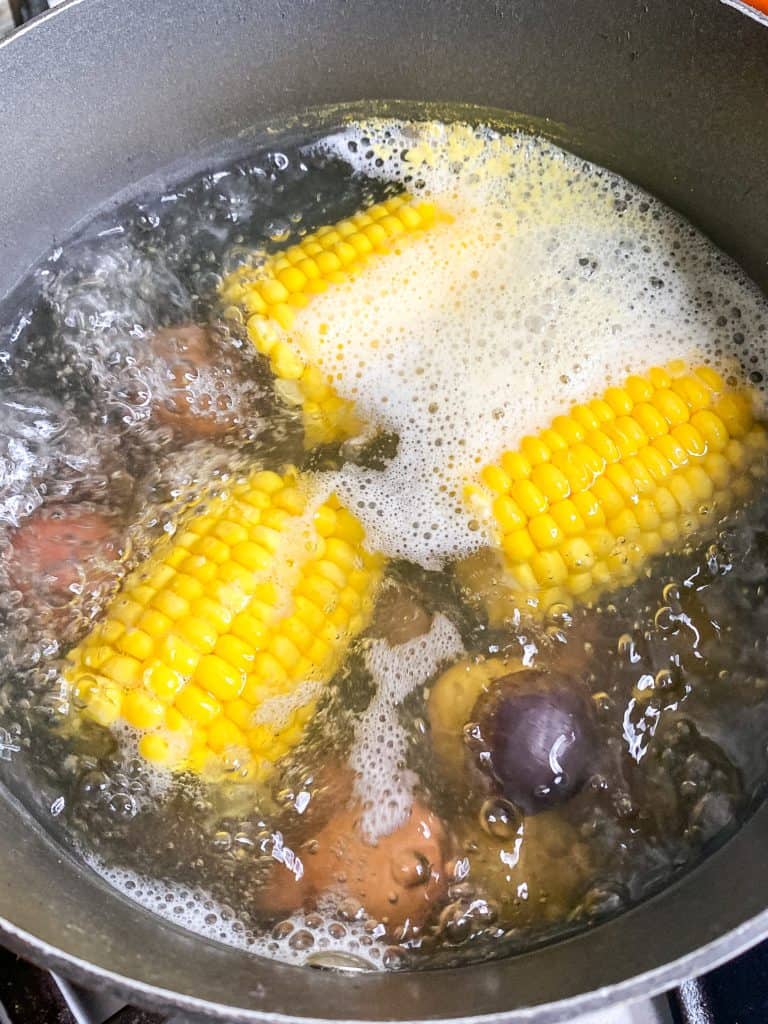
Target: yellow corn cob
point(217, 646)
point(269, 296)
point(580, 509)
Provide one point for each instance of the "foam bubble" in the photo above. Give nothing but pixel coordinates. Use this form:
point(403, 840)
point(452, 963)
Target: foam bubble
point(555, 279)
point(382, 783)
point(300, 938)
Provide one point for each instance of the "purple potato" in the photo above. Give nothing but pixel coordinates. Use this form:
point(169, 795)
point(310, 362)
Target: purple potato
point(534, 733)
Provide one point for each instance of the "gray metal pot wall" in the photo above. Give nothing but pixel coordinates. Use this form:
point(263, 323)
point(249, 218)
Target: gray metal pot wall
point(102, 93)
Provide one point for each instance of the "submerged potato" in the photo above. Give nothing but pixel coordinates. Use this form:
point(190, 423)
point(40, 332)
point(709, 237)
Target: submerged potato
point(399, 616)
point(64, 552)
point(535, 875)
point(193, 369)
point(398, 881)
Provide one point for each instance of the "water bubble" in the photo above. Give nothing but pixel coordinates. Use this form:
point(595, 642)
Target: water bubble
point(301, 939)
point(500, 818)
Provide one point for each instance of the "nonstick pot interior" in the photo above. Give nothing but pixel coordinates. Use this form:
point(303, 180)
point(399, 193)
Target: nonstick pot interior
point(99, 95)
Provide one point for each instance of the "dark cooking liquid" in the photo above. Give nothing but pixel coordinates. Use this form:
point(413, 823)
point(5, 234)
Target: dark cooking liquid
point(675, 665)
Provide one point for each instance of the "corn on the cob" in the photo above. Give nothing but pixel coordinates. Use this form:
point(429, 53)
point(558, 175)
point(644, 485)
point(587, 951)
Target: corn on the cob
point(217, 646)
point(269, 296)
point(580, 509)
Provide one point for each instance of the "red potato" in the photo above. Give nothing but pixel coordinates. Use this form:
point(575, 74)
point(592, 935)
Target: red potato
point(189, 360)
point(398, 881)
point(63, 552)
point(285, 889)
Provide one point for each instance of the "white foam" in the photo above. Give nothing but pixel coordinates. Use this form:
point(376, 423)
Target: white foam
point(555, 279)
point(382, 782)
point(302, 936)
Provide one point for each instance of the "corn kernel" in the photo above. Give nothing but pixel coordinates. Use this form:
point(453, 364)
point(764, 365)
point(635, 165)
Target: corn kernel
point(577, 555)
point(624, 525)
point(516, 466)
point(567, 516)
point(689, 438)
point(178, 654)
point(219, 678)
point(518, 546)
point(735, 410)
point(197, 705)
point(163, 681)
point(585, 417)
point(544, 532)
point(551, 481)
point(579, 583)
point(610, 499)
point(653, 460)
point(266, 668)
point(535, 450)
point(589, 508)
point(710, 378)
point(711, 428)
point(240, 712)
point(651, 420)
point(508, 514)
point(529, 498)
point(699, 482)
point(141, 710)
point(122, 669)
point(170, 604)
point(155, 749)
point(693, 392)
point(605, 447)
point(619, 400)
point(223, 733)
point(671, 450)
point(659, 377)
point(647, 514)
point(252, 556)
point(549, 568)
point(639, 390)
point(103, 700)
point(553, 441)
point(136, 643)
point(496, 479)
point(717, 468)
point(682, 492)
point(671, 406)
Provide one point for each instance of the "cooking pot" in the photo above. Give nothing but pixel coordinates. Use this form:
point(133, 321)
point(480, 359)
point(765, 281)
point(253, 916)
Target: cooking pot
point(100, 94)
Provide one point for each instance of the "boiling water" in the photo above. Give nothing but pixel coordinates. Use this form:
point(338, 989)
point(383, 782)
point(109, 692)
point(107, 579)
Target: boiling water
point(546, 280)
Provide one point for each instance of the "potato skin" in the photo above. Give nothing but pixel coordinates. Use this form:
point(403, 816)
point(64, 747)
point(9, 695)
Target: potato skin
point(186, 352)
point(399, 616)
point(63, 550)
point(398, 881)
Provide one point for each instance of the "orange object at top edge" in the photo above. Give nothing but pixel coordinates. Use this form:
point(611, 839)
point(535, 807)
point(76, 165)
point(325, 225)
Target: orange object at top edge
point(756, 5)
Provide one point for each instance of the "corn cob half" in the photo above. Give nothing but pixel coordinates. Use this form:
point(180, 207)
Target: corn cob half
point(269, 296)
point(217, 647)
point(579, 510)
